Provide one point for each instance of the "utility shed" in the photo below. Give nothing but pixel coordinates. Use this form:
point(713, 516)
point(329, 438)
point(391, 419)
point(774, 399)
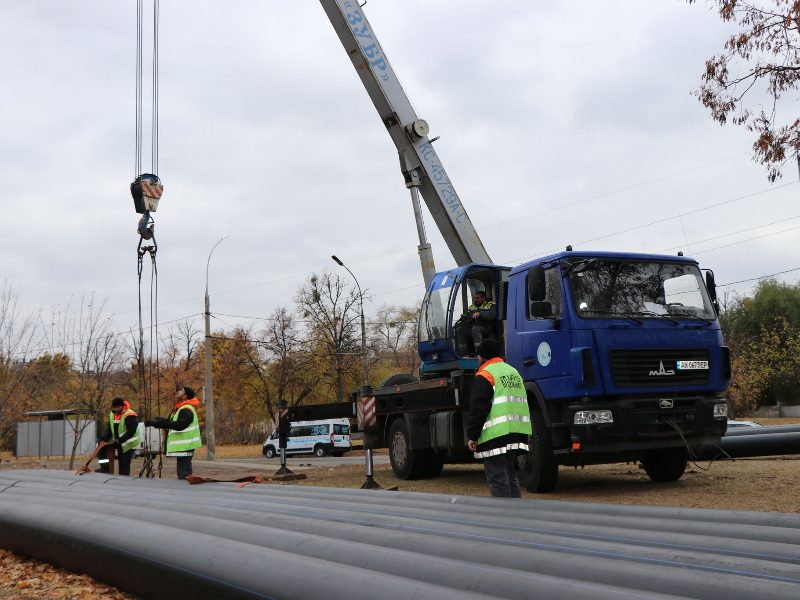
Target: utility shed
point(53, 434)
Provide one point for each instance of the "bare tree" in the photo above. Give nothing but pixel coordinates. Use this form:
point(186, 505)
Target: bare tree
point(290, 370)
point(332, 317)
point(17, 338)
point(180, 358)
point(763, 56)
point(393, 331)
point(83, 332)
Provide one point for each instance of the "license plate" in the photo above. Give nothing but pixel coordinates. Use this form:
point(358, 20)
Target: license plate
point(692, 365)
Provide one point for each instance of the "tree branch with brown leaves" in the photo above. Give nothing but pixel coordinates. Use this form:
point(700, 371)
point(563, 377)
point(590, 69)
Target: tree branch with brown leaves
point(765, 55)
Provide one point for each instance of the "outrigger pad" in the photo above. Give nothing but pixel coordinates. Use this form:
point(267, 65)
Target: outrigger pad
point(146, 191)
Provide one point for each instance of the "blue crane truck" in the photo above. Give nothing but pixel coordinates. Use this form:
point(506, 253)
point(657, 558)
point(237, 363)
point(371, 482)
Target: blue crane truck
point(621, 354)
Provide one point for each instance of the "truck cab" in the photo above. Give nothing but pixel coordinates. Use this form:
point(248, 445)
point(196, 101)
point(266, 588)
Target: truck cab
point(622, 354)
point(448, 297)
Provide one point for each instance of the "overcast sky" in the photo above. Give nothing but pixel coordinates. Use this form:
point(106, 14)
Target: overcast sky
point(551, 115)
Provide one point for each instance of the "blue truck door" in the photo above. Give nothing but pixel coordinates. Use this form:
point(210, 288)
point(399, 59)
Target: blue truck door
point(544, 350)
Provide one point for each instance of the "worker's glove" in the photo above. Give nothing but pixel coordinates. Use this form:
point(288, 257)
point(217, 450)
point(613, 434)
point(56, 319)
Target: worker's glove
point(157, 422)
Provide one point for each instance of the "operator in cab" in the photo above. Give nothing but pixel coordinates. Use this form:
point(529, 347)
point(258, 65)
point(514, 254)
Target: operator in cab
point(499, 420)
point(477, 323)
point(122, 433)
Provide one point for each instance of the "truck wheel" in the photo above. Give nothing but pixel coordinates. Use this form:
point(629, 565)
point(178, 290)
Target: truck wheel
point(537, 469)
point(397, 379)
point(435, 465)
point(319, 451)
point(666, 465)
point(406, 463)
point(269, 451)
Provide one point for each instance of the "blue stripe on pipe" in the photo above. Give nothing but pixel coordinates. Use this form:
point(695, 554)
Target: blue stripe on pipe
point(469, 535)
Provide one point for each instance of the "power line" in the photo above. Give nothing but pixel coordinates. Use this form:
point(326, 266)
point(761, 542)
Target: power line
point(410, 248)
point(730, 234)
point(549, 210)
point(625, 189)
point(691, 212)
point(757, 278)
point(118, 333)
point(293, 320)
point(749, 240)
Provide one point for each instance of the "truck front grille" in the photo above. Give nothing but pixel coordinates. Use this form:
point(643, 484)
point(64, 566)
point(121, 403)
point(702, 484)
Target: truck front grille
point(652, 368)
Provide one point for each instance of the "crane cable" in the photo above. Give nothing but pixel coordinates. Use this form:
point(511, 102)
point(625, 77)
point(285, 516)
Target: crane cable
point(145, 371)
point(146, 190)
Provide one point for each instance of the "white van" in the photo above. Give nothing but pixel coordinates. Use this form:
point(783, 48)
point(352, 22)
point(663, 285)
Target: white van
point(317, 437)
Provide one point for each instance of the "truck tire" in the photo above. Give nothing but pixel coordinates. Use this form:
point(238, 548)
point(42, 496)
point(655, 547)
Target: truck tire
point(406, 463)
point(666, 465)
point(269, 451)
point(397, 379)
point(319, 451)
point(537, 469)
point(435, 465)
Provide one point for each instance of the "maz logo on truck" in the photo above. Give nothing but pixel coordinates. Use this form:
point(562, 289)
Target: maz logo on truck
point(661, 370)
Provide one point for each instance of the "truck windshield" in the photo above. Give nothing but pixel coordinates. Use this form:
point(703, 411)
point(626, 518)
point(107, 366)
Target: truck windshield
point(613, 289)
point(433, 314)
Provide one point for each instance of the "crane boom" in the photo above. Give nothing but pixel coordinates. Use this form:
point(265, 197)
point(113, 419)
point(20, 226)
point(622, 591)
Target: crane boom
point(419, 162)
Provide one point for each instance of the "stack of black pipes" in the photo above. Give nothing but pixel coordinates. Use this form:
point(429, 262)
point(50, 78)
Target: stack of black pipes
point(740, 442)
point(166, 539)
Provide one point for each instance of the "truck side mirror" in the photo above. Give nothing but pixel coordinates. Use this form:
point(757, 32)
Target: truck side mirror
point(541, 310)
point(711, 286)
point(536, 287)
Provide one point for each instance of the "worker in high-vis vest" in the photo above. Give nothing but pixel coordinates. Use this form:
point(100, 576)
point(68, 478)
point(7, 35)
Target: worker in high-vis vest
point(499, 420)
point(184, 430)
point(123, 433)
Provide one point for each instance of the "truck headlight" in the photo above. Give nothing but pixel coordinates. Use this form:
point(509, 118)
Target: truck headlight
point(721, 410)
point(589, 417)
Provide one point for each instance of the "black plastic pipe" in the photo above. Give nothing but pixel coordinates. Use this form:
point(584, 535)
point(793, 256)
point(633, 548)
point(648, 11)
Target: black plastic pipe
point(573, 556)
point(756, 441)
point(433, 544)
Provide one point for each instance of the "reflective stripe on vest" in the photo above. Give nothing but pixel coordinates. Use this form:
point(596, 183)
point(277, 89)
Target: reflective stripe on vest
point(189, 438)
point(503, 450)
point(509, 413)
point(131, 443)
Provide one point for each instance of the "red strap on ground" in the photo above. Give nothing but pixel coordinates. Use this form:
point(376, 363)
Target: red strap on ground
point(242, 481)
point(85, 468)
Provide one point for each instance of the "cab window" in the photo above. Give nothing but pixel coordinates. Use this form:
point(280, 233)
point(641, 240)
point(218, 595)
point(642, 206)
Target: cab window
point(553, 295)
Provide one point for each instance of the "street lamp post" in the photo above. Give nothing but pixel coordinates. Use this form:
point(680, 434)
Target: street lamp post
point(366, 390)
point(364, 364)
point(208, 394)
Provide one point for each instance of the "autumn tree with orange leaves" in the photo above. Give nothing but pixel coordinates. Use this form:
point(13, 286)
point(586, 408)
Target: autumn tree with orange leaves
point(758, 67)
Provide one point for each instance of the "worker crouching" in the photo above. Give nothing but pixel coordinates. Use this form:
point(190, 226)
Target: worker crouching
point(122, 433)
point(184, 430)
point(499, 420)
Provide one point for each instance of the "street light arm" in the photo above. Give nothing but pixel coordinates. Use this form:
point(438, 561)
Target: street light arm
point(208, 262)
point(360, 295)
